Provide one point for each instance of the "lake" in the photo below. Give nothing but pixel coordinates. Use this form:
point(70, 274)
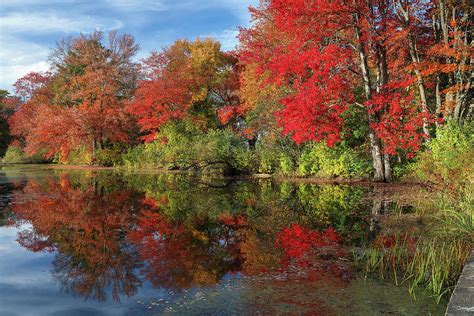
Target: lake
point(90, 242)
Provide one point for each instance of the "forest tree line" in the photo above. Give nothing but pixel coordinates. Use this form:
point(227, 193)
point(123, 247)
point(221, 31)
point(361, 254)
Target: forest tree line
point(325, 88)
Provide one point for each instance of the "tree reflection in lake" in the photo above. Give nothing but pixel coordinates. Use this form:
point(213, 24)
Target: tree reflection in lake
point(112, 232)
point(86, 225)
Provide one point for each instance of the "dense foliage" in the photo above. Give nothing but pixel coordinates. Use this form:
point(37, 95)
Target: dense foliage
point(449, 160)
point(315, 88)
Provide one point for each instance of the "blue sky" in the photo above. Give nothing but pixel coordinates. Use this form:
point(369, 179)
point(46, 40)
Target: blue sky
point(29, 28)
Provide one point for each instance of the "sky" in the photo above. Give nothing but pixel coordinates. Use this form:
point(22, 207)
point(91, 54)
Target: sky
point(30, 28)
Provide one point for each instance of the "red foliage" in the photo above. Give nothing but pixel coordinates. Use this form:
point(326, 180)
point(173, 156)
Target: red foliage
point(29, 84)
point(310, 50)
point(178, 256)
point(399, 122)
point(82, 103)
point(160, 100)
point(227, 113)
point(297, 241)
point(85, 226)
point(187, 80)
point(60, 130)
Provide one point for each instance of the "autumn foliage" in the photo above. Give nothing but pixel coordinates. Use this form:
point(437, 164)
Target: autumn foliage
point(297, 241)
point(374, 75)
point(192, 80)
point(82, 102)
point(331, 55)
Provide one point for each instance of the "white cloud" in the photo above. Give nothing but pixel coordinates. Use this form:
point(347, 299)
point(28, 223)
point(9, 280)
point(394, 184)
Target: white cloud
point(21, 31)
point(137, 5)
point(13, 3)
point(239, 7)
point(50, 22)
point(227, 38)
point(10, 73)
point(17, 58)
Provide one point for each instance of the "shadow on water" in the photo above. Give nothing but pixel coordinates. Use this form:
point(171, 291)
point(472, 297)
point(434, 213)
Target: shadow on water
point(211, 246)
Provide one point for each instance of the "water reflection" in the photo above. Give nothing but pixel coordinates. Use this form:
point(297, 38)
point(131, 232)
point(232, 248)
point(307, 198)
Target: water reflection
point(110, 234)
point(86, 226)
point(262, 245)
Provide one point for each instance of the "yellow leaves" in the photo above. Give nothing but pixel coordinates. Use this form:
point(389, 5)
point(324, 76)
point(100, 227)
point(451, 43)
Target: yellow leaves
point(200, 236)
point(259, 98)
point(197, 73)
point(203, 277)
point(205, 54)
point(253, 90)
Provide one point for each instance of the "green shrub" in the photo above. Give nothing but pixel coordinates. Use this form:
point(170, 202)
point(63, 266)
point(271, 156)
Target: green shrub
point(277, 155)
point(267, 158)
point(181, 145)
point(401, 170)
point(80, 156)
point(308, 163)
point(15, 154)
point(108, 157)
point(142, 156)
point(286, 165)
point(339, 161)
point(449, 160)
point(245, 160)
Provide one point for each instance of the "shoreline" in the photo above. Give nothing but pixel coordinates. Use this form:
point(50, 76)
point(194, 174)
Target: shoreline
point(255, 176)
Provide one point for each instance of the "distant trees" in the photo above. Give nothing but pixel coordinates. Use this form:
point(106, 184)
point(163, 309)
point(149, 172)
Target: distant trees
point(80, 103)
point(8, 105)
point(188, 80)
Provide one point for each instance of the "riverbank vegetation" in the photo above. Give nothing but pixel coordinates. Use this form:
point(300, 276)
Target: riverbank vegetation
point(372, 89)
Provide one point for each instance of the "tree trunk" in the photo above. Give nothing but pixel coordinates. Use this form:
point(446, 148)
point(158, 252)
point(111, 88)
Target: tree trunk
point(415, 58)
point(375, 144)
point(387, 168)
point(382, 80)
point(377, 162)
point(94, 146)
point(438, 100)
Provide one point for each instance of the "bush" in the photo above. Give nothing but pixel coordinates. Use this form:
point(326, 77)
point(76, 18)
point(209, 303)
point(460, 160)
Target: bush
point(15, 154)
point(80, 156)
point(108, 157)
point(142, 156)
point(181, 145)
point(286, 165)
point(277, 155)
point(449, 160)
point(339, 161)
point(308, 163)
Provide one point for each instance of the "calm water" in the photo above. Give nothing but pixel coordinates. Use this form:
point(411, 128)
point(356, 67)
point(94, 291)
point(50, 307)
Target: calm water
point(101, 243)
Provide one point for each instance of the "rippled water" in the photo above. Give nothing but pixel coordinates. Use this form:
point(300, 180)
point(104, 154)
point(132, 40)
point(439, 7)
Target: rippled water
point(104, 243)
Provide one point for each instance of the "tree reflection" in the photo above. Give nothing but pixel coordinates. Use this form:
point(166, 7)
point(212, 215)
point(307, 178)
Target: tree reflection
point(178, 256)
point(110, 234)
point(86, 226)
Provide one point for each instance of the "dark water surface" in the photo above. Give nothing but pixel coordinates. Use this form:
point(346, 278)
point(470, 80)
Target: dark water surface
point(102, 243)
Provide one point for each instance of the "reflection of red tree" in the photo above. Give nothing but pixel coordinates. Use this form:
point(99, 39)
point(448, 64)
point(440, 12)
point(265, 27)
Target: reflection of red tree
point(297, 241)
point(236, 221)
point(309, 269)
point(179, 256)
point(319, 252)
point(86, 226)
